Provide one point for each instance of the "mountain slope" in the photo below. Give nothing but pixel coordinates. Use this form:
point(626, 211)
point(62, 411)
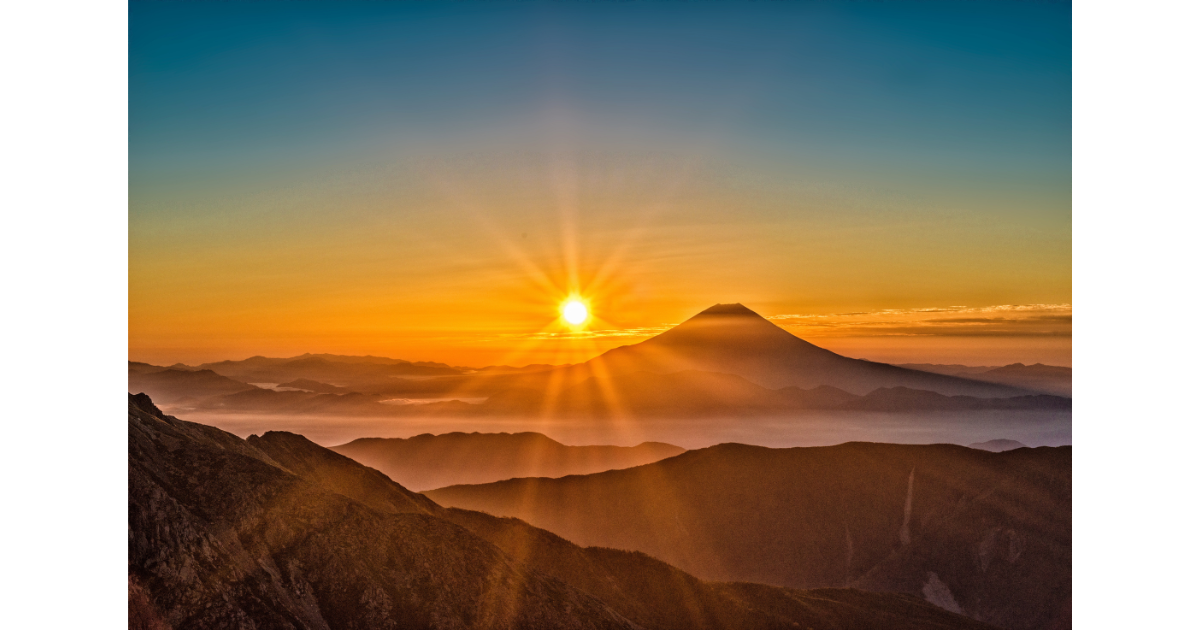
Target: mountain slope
point(220, 536)
point(694, 393)
point(997, 446)
point(277, 532)
point(986, 533)
point(1049, 379)
point(733, 339)
point(326, 368)
point(433, 461)
point(171, 385)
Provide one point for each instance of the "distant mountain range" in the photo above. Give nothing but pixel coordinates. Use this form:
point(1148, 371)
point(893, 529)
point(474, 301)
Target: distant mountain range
point(182, 386)
point(985, 533)
point(1049, 379)
point(429, 461)
point(727, 360)
point(998, 446)
point(336, 369)
point(684, 394)
point(277, 532)
point(640, 394)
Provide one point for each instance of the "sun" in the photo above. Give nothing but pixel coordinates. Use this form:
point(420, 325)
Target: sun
point(575, 312)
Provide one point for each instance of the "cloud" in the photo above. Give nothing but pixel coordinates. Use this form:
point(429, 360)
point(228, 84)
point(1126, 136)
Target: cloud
point(647, 331)
point(1003, 320)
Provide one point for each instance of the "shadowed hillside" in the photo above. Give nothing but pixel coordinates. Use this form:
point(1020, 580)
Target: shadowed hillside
point(998, 446)
point(1050, 379)
point(277, 532)
point(172, 385)
point(429, 461)
point(985, 533)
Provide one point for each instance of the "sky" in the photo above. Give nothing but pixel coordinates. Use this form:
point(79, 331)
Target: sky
point(430, 181)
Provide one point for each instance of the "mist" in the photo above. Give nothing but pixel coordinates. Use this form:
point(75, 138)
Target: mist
point(1033, 428)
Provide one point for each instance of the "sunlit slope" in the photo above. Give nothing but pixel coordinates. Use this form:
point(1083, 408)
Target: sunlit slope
point(427, 461)
point(276, 532)
point(986, 533)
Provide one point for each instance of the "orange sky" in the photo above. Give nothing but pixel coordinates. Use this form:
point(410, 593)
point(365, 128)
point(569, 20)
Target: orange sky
point(476, 277)
point(467, 264)
point(444, 214)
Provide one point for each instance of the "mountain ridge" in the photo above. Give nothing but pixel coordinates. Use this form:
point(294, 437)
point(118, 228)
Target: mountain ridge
point(279, 532)
point(994, 528)
point(427, 461)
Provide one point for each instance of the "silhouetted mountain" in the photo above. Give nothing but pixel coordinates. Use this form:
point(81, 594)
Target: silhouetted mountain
point(696, 393)
point(312, 403)
point(316, 386)
point(533, 367)
point(332, 369)
point(640, 395)
point(432, 461)
point(985, 533)
point(635, 395)
point(1048, 379)
point(725, 360)
point(277, 532)
point(171, 385)
point(1044, 378)
point(905, 399)
point(998, 446)
point(142, 368)
point(732, 339)
point(952, 369)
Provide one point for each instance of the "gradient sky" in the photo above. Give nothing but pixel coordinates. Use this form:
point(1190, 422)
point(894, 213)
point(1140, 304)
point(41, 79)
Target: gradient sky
point(891, 180)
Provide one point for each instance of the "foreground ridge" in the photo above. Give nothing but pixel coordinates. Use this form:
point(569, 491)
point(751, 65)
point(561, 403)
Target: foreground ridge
point(277, 532)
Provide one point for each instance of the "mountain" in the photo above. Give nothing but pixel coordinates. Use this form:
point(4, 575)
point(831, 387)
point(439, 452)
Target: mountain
point(998, 446)
point(954, 369)
point(277, 532)
point(222, 535)
point(725, 360)
point(433, 461)
point(686, 394)
point(733, 339)
point(142, 368)
point(1049, 379)
point(333, 369)
point(695, 393)
point(985, 533)
point(171, 385)
point(899, 399)
point(310, 385)
point(638, 395)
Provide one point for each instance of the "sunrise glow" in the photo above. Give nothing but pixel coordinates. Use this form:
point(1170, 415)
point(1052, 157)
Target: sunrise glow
point(575, 312)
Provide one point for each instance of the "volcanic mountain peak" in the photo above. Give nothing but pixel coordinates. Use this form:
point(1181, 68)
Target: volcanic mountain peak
point(728, 309)
point(733, 339)
point(730, 325)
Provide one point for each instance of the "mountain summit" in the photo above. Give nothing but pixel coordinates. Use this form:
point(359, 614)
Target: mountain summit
point(733, 339)
point(728, 309)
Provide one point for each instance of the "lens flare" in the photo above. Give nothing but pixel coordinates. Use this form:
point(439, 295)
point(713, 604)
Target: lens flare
point(575, 312)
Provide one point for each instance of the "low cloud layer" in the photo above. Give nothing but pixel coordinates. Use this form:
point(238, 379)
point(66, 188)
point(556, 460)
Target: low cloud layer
point(1006, 320)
